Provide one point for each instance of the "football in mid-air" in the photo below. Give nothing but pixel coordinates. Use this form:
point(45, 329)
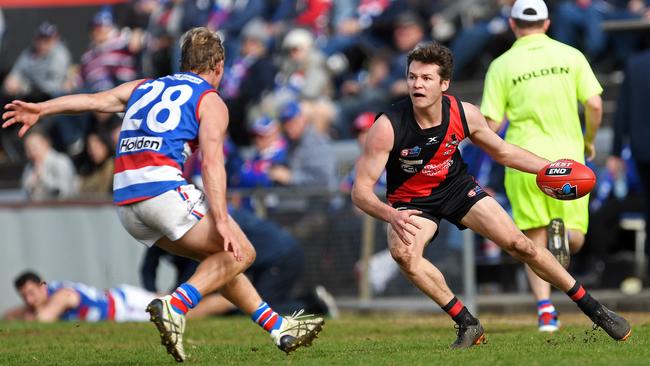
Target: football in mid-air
point(566, 179)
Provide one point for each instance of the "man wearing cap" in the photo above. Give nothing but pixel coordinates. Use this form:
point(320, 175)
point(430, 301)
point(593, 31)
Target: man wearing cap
point(110, 59)
point(40, 71)
point(271, 149)
point(302, 67)
point(408, 32)
point(311, 161)
point(360, 127)
point(536, 84)
point(252, 73)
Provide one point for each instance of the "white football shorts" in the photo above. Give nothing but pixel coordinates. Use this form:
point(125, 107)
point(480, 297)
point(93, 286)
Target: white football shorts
point(131, 303)
point(171, 214)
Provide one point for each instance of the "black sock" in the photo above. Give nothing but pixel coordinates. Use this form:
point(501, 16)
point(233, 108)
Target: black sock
point(459, 312)
point(583, 299)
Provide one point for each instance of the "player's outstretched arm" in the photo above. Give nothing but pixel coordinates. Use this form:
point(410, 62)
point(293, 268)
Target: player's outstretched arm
point(369, 168)
point(502, 152)
point(62, 300)
point(213, 115)
point(28, 114)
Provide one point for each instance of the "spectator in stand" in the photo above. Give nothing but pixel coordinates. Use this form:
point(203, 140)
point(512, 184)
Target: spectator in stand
point(631, 124)
point(409, 31)
point(150, 19)
point(311, 158)
point(49, 174)
point(98, 182)
point(366, 90)
point(39, 73)
point(472, 41)
point(110, 59)
point(271, 149)
point(575, 18)
point(303, 70)
point(197, 13)
point(238, 15)
point(251, 74)
point(361, 125)
point(41, 70)
point(313, 14)
point(618, 191)
point(136, 14)
point(346, 27)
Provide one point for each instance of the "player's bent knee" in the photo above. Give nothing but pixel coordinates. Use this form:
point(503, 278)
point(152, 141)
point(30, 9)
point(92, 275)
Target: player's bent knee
point(521, 247)
point(248, 255)
point(404, 258)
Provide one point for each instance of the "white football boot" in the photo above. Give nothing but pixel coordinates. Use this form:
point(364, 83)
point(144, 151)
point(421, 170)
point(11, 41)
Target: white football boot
point(297, 331)
point(170, 324)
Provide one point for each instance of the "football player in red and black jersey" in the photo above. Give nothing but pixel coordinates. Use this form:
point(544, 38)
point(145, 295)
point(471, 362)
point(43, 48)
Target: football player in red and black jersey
point(417, 142)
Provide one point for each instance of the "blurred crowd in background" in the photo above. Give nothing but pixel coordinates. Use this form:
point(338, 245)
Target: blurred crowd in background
point(301, 78)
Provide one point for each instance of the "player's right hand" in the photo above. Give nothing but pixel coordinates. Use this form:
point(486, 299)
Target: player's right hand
point(230, 243)
point(21, 112)
point(403, 224)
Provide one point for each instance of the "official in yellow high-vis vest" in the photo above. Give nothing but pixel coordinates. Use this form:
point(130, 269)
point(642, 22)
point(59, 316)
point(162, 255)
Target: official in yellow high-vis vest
point(536, 86)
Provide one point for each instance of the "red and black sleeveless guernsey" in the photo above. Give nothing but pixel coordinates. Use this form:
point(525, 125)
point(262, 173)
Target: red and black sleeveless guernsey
point(424, 162)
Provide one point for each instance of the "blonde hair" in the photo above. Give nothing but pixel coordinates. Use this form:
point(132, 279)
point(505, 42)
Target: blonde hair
point(202, 50)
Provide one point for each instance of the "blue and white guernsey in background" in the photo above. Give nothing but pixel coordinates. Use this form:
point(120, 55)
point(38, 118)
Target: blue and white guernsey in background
point(159, 132)
point(95, 304)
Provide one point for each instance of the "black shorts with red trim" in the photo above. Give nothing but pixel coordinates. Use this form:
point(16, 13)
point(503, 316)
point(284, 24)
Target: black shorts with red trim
point(450, 203)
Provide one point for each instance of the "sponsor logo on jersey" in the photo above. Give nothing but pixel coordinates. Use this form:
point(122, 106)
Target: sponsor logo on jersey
point(558, 172)
point(409, 168)
point(186, 77)
point(454, 141)
point(131, 144)
point(411, 162)
point(545, 71)
point(474, 191)
point(567, 192)
point(448, 152)
point(433, 169)
point(410, 153)
point(432, 140)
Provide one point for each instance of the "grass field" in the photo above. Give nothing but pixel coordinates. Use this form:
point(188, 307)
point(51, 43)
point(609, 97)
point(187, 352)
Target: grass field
point(374, 340)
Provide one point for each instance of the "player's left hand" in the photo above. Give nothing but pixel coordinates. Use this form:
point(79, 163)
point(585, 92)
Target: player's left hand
point(21, 112)
point(230, 243)
point(403, 224)
point(590, 151)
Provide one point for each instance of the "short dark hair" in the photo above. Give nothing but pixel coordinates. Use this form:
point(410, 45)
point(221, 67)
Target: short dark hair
point(433, 53)
point(201, 51)
point(27, 276)
point(527, 24)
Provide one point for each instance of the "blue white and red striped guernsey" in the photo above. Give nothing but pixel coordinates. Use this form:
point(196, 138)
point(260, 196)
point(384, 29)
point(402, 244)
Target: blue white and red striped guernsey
point(94, 304)
point(159, 132)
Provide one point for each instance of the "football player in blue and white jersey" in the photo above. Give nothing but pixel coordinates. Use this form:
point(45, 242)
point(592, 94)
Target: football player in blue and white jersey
point(165, 120)
point(74, 301)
